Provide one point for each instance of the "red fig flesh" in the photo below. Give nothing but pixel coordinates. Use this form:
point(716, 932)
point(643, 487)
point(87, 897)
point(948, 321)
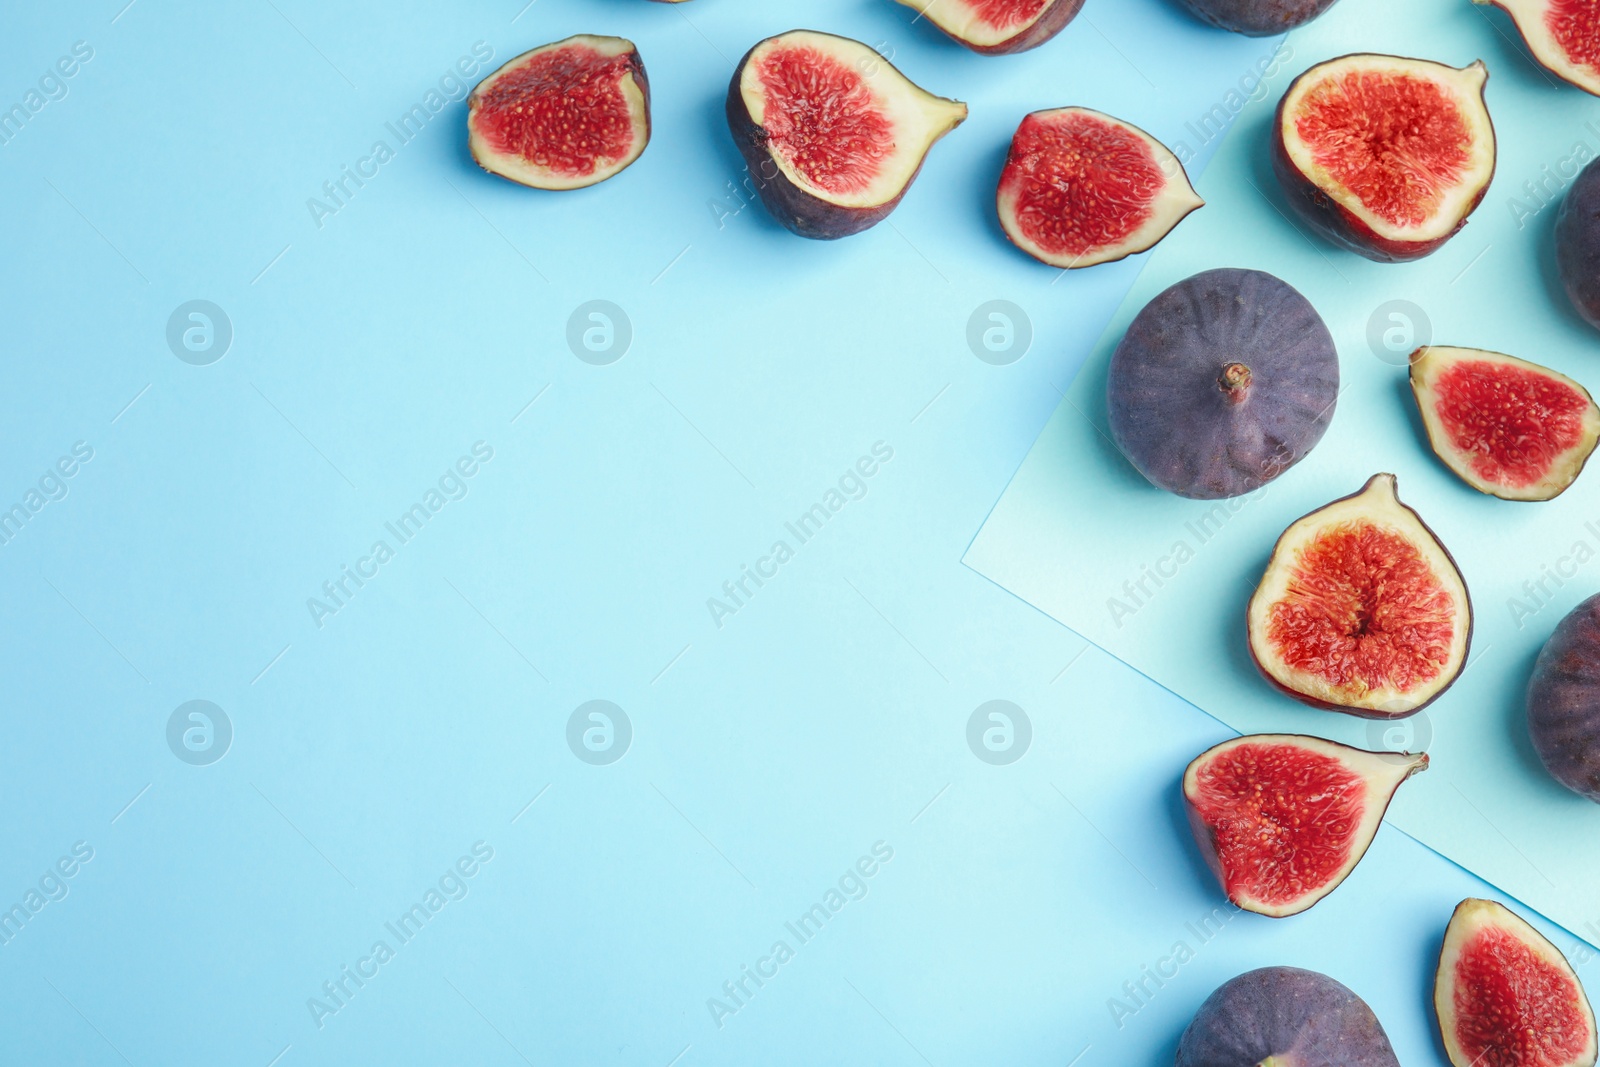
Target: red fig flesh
point(1283, 819)
point(1563, 35)
point(1361, 609)
point(1385, 156)
point(1506, 997)
point(832, 133)
point(1508, 427)
point(1081, 188)
point(998, 27)
point(562, 116)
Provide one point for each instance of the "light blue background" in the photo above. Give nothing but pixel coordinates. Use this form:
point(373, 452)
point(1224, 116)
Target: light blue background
point(768, 754)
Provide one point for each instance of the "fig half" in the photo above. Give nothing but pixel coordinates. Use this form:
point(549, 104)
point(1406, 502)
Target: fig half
point(1361, 609)
point(1257, 18)
point(1285, 1017)
point(1563, 36)
point(832, 133)
point(1385, 156)
point(998, 27)
point(1081, 188)
point(1283, 819)
point(1578, 243)
point(1509, 428)
point(1564, 701)
point(1506, 997)
point(562, 116)
point(1222, 382)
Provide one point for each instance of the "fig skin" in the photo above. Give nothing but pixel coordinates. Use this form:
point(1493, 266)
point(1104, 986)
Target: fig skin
point(1167, 394)
point(1052, 22)
point(1564, 701)
point(1578, 243)
point(1336, 222)
point(1256, 18)
point(1284, 1015)
point(795, 208)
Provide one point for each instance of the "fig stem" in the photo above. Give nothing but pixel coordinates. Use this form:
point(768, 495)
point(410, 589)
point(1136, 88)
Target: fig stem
point(1234, 381)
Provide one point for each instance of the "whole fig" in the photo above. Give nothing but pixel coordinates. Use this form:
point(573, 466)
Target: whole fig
point(1578, 243)
point(1564, 701)
point(1257, 18)
point(1284, 1015)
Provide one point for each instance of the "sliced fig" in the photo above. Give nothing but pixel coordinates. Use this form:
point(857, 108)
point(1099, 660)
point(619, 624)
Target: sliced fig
point(1081, 188)
point(1361, 609)
point(832, 133)
point(1564, 701)
point(1509, 428)
point(1578, 243)
point(1283, 819)
point(1506, 997)
point(1386, 156)
point(562, 116)
point(1563, 35)
point(998, 27)
point(1257, 18)
point(1222, 382)
point(1285, 1017)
